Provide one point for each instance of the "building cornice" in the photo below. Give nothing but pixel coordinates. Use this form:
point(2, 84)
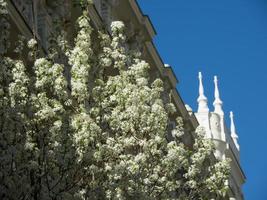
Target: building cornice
point(143, 19)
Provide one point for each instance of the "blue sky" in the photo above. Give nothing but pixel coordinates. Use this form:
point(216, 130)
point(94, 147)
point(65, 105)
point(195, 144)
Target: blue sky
point(227, 38)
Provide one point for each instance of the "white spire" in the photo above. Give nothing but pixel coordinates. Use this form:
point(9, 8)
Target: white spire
point(217, 102)
point(233, 130)
point(202, 99)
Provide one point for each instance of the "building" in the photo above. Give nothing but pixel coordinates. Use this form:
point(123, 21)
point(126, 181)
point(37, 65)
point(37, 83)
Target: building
point(34, 18)
point(225, 139)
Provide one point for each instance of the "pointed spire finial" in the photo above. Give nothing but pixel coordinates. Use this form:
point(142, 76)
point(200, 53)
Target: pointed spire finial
point(233, 130)
point(202, 99)
point(217, 102)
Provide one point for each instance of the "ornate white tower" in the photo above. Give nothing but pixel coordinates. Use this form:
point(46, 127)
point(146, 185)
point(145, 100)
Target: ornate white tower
point(225, 140)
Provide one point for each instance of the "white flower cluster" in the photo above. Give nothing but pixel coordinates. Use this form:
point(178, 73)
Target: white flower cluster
point(85, 134)
point(43, 72)
point(32, 43)
point(117, 26)
point(3, 7)
point(59, 81)
point(5, 78)
point(51, 77)
point(219, 173)
point(80, 60)
point(18, 89)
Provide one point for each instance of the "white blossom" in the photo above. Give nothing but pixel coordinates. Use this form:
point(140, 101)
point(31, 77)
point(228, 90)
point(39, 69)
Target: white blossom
point(117, 26)
point(32, 43)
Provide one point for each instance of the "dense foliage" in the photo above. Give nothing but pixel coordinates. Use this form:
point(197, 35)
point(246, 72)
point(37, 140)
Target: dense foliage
point(70, 131)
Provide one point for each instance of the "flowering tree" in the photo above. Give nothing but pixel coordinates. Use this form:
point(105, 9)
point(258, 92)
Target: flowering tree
point(68, 130)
